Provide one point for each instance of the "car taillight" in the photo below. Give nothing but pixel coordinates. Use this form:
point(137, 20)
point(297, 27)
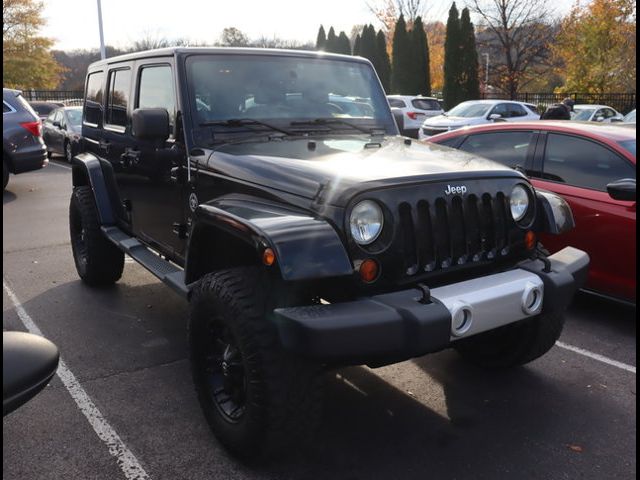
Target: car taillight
point(412, 115)
point(35, 128)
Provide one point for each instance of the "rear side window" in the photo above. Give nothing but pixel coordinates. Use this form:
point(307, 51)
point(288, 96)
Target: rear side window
point(423, 104)
point(396, 103)
point(93, 99)
point(156, 90)
point(118, 99)
point(583, 163)
point(516, 110)
point(6, 108)
point(508, 148)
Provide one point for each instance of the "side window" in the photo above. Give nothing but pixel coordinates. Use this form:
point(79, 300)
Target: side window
point(396, 103)
point(156, 90)
point(608, 113)
point(93, 99)
point(501, 109)
point(51, 117)
point(516, 110)
point(57, 116)
point(583, 163)
point(508, 148)
point(6, 108)
point(118, 98)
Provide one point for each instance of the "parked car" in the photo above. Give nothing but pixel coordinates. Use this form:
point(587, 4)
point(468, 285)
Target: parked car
point(416, 110)
point(595, 113)
point(23, 149)
point(259, 210)
point(630, 117)
point(477, 112)
point(62, 131)
point(43, 109)
point(593, 167)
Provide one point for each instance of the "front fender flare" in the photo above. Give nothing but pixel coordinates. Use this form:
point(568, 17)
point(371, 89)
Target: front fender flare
point(306, 247)
point(554, 213)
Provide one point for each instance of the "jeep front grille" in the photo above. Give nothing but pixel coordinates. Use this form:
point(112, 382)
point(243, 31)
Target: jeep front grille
point(454, 231)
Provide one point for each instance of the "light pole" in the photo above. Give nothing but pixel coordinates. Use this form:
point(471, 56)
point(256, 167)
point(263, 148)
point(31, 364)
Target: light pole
point(103, 53)
point(486, 71)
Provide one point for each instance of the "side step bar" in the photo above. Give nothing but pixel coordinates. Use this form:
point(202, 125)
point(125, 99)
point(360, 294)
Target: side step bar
point(166, 271)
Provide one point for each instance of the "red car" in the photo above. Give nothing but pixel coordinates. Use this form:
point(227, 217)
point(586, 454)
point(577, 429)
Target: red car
point(593, 166)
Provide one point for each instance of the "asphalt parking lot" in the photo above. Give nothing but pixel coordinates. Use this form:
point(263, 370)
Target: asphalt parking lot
point(127, 408)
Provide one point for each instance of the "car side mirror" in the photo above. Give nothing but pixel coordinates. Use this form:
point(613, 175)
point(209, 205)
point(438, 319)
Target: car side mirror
point(28, 363)
point(495, 116)
point(624, 189)
point(150, 124)
point(399, 118)
point(56, 124)
point(599, 119)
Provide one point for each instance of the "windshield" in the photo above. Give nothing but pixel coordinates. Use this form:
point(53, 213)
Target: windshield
point(469, 110)
point(629, 145)
point(583, 114)
point(284, 91)
point(74, 117)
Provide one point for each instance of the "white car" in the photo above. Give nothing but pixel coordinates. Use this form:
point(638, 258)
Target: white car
point(478, 112)
point(415, 109)
point(630, 117)
point(595, 113)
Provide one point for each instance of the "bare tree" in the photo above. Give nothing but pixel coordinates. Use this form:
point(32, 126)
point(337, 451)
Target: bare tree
point(388, 11)
point(516, 34)
point(233, 37)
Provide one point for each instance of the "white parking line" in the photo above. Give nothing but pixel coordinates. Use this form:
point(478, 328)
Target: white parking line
point(58, 165)
point(598, 357)
point(127, 462)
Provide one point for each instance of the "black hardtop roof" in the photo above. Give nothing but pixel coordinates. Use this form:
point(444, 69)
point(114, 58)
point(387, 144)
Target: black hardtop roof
point(175, 51)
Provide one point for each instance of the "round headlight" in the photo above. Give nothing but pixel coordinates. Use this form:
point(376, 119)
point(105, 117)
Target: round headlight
point(366, 222)
point(519, 202)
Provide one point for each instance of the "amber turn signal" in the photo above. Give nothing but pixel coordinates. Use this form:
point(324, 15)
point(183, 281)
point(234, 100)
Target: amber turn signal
point(268, 257)
point(369, 270)
point(530, 240)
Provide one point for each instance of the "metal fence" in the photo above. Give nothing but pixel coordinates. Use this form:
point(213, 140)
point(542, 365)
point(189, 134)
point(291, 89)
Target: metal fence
point(67, 97)
point(623, 102)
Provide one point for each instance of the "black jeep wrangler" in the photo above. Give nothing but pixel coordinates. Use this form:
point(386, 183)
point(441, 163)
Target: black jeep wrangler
point(272, 190)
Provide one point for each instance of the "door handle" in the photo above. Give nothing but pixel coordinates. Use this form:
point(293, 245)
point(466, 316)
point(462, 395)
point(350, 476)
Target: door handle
point(104, 145)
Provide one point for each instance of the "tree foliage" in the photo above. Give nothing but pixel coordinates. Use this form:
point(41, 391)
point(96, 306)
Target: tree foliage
point(469, 82)
point(597, 45)
point(419, 51)
point(452, 60)
point(321, 39)
point(516, 34)
point(383, 64)
point(343, 45)
point(435, 38)
point(332, 41)
point(401, 59)
point(26, 57)
point(233, 37)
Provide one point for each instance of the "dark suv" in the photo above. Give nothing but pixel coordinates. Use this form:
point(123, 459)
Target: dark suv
point(22, 147)
point(306, 235)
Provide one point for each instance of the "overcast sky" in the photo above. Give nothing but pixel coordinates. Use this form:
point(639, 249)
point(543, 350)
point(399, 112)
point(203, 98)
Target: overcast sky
point(73, 24)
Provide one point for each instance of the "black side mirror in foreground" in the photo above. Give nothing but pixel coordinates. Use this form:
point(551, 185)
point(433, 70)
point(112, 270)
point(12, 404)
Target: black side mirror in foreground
point(624, 189)
point(28, 363)
point(150, 124)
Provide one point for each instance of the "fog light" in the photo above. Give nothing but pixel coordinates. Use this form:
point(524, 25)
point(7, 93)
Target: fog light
point(461, 318)
point(369, 270)
point(532, 299)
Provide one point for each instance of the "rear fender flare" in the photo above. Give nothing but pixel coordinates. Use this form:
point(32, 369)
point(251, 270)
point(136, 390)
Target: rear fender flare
point(87, 169)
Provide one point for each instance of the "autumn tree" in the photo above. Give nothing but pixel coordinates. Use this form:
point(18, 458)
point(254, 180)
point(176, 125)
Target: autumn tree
point(516, 34)
point(469, 82)
point(26, 57)
point(597, 45)
point(321, 39)
point(435, 38)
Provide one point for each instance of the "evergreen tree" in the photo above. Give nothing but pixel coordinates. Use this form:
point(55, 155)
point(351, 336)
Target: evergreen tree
point(469, 82)
point(401, 63)
point(343, 44)
point(368, 48)
point(332, 41)
point(420, 74)
point(452, 60)
point(384, 65)
point(321, 40)
point(356, 45)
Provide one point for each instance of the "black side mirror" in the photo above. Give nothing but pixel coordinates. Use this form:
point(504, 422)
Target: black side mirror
point(150, 124)
point(28, 363)
point(399, 118)
point(624, 189)
point(56, 124)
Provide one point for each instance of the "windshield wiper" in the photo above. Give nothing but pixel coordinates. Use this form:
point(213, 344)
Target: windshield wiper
point(338, 121)
point(241, 122)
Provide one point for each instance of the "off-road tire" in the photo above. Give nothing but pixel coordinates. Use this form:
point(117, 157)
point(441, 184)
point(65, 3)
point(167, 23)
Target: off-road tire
point(515, 344)
point(5, 175)
point(283, 393)
point(98, 261)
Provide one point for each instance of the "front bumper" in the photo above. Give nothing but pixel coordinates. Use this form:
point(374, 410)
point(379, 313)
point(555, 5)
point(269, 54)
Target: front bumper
point(392, 327)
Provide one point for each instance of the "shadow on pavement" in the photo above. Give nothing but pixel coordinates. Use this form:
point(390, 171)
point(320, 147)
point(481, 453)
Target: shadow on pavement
point(8, 196)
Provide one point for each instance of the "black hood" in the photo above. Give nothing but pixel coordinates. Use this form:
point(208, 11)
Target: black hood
point(337, 168)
